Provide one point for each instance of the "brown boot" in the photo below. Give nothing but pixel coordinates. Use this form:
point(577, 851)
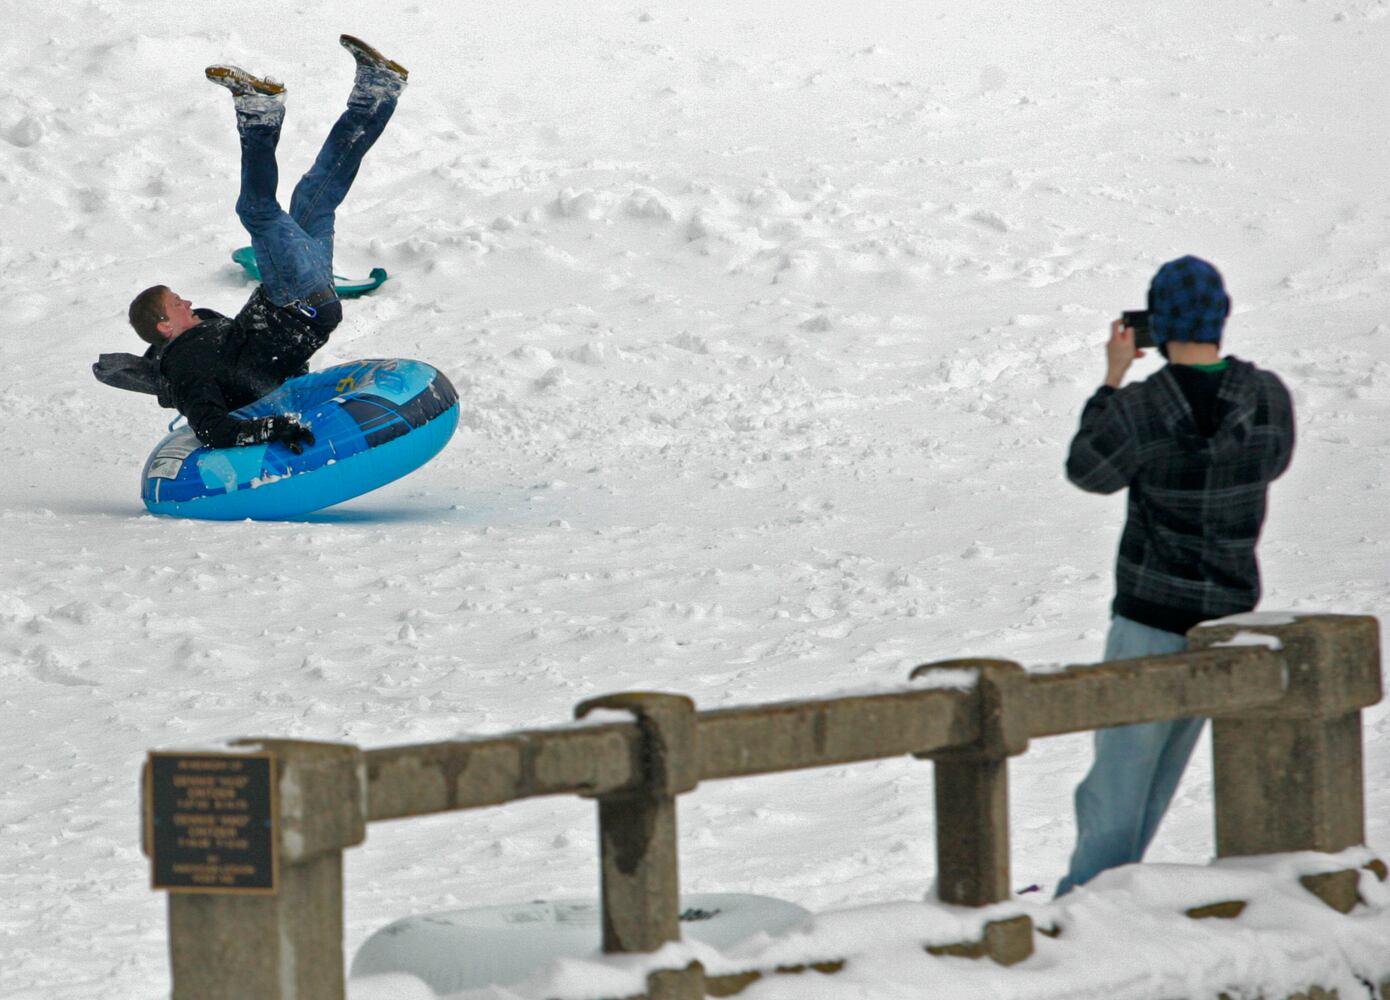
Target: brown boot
point(242, 83)
point(368, 56)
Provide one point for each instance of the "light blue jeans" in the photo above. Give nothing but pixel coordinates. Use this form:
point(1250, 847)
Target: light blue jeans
point(1121, 801)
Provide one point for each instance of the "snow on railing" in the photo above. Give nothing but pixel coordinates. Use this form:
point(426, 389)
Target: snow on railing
point(1285, 696)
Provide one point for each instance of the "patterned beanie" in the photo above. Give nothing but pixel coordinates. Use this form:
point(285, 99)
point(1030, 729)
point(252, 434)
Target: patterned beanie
point(1187, 301)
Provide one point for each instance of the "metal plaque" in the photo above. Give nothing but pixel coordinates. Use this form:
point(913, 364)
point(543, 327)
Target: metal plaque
point(212, 822)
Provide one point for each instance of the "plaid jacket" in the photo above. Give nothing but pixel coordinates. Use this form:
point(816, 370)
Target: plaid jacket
point(1196, 503)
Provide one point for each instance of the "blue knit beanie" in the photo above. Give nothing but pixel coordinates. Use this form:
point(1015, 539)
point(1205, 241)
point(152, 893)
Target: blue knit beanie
point(1187, 301)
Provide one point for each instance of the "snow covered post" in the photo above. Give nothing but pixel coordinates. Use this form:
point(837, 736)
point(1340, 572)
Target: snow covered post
point(639, 871)
point(287, 945)
point(972, 802)
point(1288, 776)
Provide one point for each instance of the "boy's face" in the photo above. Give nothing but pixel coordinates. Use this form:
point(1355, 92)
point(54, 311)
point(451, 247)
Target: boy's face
point(178, 316)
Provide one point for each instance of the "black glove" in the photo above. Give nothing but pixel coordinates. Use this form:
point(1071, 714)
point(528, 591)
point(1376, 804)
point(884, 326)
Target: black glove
point(289, 430)
point(281, 427)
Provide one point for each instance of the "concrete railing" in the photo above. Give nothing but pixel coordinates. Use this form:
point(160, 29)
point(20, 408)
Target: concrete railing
point(1287, 765)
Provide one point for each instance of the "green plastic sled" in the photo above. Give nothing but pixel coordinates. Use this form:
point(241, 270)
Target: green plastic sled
point(347, 288)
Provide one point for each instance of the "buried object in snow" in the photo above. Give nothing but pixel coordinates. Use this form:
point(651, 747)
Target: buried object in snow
point(496, 945)
point(373, 422)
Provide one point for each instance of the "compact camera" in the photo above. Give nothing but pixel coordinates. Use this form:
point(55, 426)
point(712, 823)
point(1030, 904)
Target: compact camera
point(1138, 321)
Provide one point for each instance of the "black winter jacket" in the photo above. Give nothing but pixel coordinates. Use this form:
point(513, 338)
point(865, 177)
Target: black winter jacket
point(1196, 493)
point(223, 364)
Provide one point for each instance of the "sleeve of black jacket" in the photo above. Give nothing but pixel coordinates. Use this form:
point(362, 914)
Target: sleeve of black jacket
point(200, 400)
point(1104, 454)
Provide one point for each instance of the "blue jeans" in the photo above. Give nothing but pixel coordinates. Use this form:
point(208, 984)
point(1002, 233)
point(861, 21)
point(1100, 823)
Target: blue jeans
point(295, 249)
point(1136, 771)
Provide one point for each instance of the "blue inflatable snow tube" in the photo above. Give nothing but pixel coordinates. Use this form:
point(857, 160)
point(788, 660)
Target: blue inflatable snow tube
point(373, 422)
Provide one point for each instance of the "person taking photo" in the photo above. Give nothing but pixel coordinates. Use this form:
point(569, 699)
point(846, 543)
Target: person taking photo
point(1196, 445)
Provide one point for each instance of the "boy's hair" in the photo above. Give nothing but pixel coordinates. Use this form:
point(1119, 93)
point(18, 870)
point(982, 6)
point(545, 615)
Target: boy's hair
point(147, 312)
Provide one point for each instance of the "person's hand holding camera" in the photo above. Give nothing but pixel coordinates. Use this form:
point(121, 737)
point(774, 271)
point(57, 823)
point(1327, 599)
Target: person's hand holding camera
point(1120, 352)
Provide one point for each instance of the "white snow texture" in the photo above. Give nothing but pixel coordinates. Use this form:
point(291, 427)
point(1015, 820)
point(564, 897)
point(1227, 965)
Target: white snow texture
point(771, 323)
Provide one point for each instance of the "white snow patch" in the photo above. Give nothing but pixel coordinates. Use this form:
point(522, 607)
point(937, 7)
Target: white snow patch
point(761, 327)
point(948, 678)
point(1125, 935)
point(1268, 619)
point(1244, 638)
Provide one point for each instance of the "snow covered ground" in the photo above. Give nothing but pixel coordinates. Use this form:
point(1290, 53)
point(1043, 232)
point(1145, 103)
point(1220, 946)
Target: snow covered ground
point(771, 324)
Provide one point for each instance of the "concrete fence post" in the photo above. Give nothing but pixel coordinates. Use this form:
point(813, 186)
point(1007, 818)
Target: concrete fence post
point(289, 945)
point(639, 870)
point(972, 803)
point(1288, 776)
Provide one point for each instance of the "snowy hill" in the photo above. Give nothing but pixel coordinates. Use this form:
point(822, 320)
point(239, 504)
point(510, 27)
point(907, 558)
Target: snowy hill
point(771, 324)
